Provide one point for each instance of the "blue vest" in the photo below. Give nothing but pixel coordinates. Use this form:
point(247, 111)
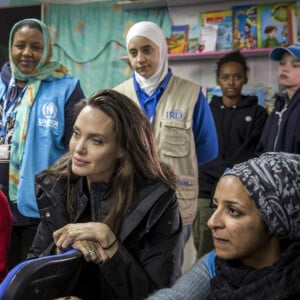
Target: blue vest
point(44, 140)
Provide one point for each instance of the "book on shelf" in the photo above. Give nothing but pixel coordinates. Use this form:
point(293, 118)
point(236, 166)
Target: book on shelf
point(193, 45)
point(293, 22)
point(223, 19)
point(244, 23)
point(272, 25)
point(208, 38)
point(177, 42)
point(259, 92)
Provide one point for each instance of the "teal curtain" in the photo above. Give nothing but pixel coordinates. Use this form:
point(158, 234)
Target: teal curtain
point(21, 2)
point(90, 38)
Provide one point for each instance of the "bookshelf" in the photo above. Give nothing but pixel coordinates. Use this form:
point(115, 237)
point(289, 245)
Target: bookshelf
point(188, 7)
point(201, 67)
point(211, 55)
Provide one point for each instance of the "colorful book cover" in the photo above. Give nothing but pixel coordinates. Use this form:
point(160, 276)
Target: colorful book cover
point(194, 38)
point(208, 38)
point(272, 25)
point(223, 19)
point(244, 23)
point(177, 42)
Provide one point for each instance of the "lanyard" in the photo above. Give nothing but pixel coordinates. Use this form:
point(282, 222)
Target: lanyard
point(10, 101)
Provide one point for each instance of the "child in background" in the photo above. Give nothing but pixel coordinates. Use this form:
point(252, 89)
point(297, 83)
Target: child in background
point(239, 121)
point(282, 129)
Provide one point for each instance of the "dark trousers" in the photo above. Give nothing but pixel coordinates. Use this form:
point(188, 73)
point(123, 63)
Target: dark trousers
point(21, 240)
point(201, 233)
point(23, 233)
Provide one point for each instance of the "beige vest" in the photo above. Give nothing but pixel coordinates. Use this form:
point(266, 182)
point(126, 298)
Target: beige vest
point(173, 130)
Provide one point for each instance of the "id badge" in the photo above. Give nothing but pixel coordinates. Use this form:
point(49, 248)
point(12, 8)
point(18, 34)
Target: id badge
point(4, 151)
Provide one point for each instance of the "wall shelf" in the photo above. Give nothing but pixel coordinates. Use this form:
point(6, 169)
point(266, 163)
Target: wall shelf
point(140, 4)
point(211, 55)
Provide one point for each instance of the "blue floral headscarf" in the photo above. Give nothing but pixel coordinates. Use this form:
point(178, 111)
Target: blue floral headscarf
point(46, 70)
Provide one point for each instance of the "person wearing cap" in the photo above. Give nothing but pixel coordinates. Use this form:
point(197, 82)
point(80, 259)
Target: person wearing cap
point(183, 125)
point(256, 232)
point(282, 128)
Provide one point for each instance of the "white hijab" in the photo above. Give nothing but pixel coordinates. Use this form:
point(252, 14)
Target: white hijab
point(154, 33)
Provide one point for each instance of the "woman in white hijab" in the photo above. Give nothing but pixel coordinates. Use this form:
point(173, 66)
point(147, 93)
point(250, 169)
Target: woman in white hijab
point(152, 32)
point(181, 119)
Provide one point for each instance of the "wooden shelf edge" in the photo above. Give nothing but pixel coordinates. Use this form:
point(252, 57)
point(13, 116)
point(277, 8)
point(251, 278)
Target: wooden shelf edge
point(211, 55)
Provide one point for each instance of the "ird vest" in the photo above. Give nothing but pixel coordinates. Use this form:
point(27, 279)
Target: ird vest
point(173, 131)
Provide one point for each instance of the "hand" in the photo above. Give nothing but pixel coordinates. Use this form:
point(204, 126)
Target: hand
point(94, 236)
point(91, 251)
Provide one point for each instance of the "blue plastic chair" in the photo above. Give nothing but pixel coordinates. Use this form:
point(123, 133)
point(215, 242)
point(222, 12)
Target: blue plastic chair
point(43, 278)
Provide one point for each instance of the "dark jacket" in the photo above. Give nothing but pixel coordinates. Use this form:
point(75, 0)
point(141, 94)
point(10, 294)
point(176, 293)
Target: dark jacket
point(239, 128)
point(280, 281)
point(282, 129)
point(148, 254)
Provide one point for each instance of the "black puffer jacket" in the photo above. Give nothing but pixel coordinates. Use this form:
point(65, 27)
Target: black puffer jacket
point(148, 254)
point(239, 129)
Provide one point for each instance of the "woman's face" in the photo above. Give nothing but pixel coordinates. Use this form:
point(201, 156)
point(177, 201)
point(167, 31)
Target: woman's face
point(231, 79)
point(144, 56)
point(93, 145)
point(27, 48)
point(237, 227)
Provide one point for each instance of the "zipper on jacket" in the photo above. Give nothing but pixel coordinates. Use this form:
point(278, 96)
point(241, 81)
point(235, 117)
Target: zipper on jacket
point(280, 115)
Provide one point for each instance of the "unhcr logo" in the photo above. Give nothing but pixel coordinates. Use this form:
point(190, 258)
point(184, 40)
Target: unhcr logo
point(175, 114)
point(49, 111)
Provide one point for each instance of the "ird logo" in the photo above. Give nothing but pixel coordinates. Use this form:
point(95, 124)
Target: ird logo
point(175, 114)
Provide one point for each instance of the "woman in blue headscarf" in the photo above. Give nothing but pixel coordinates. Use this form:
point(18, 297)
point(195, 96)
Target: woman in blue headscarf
point(37, 97)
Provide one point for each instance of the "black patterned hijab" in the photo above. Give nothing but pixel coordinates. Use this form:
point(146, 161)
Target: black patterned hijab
point(273, 182)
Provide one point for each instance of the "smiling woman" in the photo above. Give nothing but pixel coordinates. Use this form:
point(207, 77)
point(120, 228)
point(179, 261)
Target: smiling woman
point(37, 98)
point(27, 49)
